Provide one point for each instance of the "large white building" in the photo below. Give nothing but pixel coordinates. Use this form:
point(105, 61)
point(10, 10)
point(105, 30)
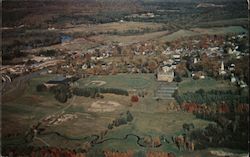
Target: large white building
point(165, 74)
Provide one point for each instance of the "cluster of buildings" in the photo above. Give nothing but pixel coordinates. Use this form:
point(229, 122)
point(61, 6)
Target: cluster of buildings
point(13, 71)
point(144, 15)
point(165, 72)
point(96, 60)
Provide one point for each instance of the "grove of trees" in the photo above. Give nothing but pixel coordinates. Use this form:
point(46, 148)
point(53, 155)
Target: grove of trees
point(92, 91)
point(213, 96)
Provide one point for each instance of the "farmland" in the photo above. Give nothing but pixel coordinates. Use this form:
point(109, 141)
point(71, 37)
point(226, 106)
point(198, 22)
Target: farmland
point(130, 78)
point(203, 31)
point(82, 43)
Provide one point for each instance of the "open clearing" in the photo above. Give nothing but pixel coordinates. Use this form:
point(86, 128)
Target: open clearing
point(223, 23)
point(114, 26)
point(80, 44)
point(123, 81)
point(96, 83)
point(129, 39)
point(87, 116)
point(220, 30)
point(104, 106)
point(151, 124)
point(83, 44)
point(190, 85)
point(203, 31)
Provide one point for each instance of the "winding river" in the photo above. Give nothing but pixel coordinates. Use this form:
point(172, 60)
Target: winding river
point(97, 137)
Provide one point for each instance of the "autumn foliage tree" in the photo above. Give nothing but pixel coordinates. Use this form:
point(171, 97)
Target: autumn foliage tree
point(152, 65)
point(108, 153)
point(159, 154)
point(134, 98)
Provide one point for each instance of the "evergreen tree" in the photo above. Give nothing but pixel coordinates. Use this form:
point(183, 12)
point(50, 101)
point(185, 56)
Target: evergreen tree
point(129, 116)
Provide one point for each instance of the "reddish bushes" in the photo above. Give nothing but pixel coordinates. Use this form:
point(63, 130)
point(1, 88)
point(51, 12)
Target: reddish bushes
point(241, 108)
point(118, 154)
point(55, 152)
point(220, 108)
point(159, 154)
point(223, 108)
point(190, 107)
point(149, 141)
point(134, 98)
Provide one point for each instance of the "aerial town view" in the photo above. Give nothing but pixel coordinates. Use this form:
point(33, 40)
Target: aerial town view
point(124, 78)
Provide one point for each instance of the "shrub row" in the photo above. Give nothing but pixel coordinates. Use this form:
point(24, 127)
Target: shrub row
point(92, 91)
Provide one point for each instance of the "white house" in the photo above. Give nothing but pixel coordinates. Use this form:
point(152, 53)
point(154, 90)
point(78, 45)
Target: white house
point(233, 79)
point(231, 67)
point(165, 74)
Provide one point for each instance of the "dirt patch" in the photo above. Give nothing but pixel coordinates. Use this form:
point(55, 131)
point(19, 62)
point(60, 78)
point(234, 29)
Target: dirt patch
point(96, 83)
point(56, 120)
point(104, 106)
point(224, 153)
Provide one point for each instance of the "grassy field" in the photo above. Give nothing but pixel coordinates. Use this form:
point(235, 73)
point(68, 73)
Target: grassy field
point(151, 118)
point(150, 124)
point(179, 34)
point(97, 40)
point(223, 23)
point(123, 81)
point(207, 84)
point(203, 31)
point(26, 110)
point(83, 44)
point(114, 26)
point(128, 39)
point(220, 30)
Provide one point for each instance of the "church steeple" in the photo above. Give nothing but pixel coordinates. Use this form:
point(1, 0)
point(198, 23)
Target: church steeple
point(222, 68)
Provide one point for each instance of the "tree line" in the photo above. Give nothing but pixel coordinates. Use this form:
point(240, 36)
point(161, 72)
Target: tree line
point(213, 96)
point(122, 120)
point(93, 91)
point(63, 92)
point(229, 131)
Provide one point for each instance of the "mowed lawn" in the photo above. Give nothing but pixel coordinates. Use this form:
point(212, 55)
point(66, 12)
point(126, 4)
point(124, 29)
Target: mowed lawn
point(123, 81)
point(191, 85)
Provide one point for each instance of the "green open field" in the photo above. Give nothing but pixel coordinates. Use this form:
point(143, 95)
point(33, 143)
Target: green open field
point(114, 26)
point(151, 117)
point(190, 85)
point(151, 124)
point(27, 109)
point(223, 23)
point(124, 81)
point(128, 39)
point(203, 31)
